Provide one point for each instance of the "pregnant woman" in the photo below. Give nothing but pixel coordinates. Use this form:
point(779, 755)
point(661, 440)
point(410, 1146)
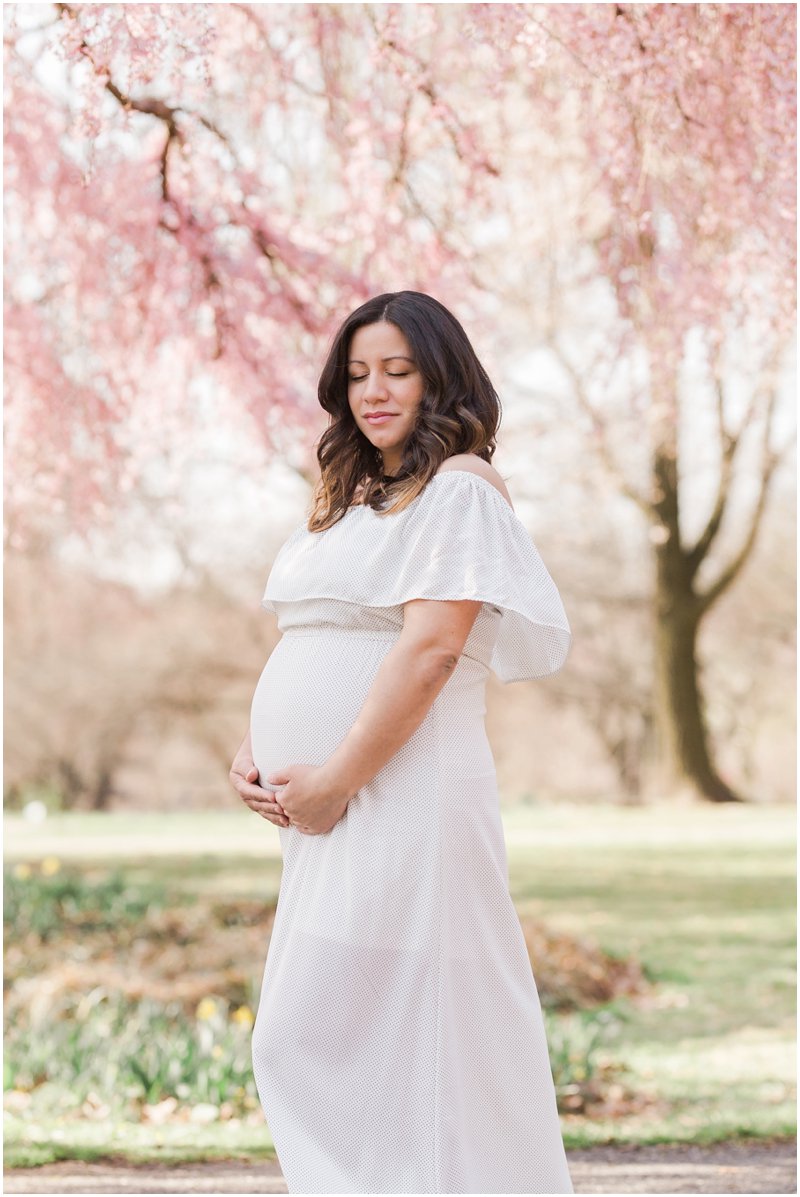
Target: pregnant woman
point(399, 1045)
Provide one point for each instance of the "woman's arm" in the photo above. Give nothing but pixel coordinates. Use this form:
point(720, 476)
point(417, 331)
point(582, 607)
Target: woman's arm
point(408, 680)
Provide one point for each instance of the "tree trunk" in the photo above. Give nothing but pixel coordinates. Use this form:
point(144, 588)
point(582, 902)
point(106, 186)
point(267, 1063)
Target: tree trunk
point(70, 784)
point(102, 790)
point(683, 734)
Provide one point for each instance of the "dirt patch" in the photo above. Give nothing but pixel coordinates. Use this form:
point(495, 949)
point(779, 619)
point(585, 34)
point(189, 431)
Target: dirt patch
point(756, 1166)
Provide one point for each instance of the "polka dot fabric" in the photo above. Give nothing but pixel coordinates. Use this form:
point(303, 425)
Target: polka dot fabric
point(399, 1045)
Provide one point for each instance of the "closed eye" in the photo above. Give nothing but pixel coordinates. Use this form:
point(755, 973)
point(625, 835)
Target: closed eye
point(363, 376)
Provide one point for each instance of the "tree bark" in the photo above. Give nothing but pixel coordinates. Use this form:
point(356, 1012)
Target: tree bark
point(102, 789)
point(683, 740)
point(682, 730)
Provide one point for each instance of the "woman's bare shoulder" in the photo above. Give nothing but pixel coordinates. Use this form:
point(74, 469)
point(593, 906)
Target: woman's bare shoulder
point(476, 465)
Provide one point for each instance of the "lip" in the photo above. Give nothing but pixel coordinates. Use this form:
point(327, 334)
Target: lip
point(379, 417)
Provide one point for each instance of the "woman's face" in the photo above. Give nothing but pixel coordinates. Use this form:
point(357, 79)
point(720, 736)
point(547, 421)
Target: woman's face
point(384, 379)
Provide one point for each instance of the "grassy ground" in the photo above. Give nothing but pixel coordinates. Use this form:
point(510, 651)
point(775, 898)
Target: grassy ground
point(706, 901)
point(704, 898)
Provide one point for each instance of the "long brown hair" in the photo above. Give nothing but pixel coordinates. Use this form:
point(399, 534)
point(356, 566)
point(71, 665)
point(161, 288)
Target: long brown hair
point(459, 412)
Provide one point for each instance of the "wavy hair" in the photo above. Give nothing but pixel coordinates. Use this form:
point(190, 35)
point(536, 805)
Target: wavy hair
point(459, 412)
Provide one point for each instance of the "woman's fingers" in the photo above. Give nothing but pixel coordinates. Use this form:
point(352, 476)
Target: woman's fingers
point(273, 813)
point(248, 789)
point(261, 800)
point(263, 803)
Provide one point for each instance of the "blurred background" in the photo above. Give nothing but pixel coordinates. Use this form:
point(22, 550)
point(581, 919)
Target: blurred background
point(195, 198)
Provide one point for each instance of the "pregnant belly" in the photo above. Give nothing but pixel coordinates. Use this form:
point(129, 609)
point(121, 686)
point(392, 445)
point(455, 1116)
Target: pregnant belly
point(429, 818)
point(309, 695)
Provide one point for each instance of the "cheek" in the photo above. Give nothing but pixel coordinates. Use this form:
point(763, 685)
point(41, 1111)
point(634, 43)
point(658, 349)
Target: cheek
point(413, 406)
point(412, 400)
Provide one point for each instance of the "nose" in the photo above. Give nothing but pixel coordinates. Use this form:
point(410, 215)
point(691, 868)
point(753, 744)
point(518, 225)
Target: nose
point(374, 388)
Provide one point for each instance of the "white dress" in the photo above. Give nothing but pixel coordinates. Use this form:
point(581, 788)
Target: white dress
point(399, 1045)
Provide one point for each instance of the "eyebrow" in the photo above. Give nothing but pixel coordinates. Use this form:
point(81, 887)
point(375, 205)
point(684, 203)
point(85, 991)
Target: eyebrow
point(395, 357)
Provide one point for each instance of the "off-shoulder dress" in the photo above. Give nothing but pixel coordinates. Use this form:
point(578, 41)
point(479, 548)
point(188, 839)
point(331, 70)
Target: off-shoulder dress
point(399, 1045)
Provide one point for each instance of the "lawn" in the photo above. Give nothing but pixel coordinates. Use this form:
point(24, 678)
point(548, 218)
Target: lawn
point(701, 899)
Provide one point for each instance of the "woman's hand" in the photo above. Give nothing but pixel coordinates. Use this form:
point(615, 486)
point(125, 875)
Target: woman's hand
point(312, 804)
point(244, 776)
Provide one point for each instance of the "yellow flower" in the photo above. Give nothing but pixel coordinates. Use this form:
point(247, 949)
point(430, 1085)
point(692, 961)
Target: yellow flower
point(23, 871)
point(216, 1051)
point(244, 1015)
point(50, 865)
point(206, 1009)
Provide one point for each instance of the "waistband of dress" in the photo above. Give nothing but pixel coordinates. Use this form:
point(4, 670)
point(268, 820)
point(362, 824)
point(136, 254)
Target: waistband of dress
point(327, 629)
point(390, 637)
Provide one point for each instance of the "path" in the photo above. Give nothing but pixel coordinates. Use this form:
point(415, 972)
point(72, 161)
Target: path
point(737, 1167)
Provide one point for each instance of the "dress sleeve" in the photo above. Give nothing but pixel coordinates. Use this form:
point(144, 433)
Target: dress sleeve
point(466, 542)
point(459, 539)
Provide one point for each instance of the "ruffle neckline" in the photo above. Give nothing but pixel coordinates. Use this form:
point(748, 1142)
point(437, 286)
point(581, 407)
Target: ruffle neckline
point(460, 543)
point(466, 473)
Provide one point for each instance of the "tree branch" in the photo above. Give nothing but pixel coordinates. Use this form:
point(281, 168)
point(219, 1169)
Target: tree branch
point(730, 443)
point(713, 591)
point(728, 446)
point(450, 119)
point(601, 433)
point(726, 577)
point(247, 11)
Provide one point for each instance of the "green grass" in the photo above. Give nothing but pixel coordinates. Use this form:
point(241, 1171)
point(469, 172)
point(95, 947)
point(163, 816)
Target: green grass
point(705, 900)
point(32, 1144)
point(704, 897)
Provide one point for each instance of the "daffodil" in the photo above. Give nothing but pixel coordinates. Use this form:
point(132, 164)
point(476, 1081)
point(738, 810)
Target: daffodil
point(244, 1015)
point(50, 865)
point(23, 871)
point(206, 1009)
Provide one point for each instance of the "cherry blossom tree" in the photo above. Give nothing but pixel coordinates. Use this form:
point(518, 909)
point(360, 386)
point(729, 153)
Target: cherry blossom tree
point(688, 118)
point(202, 197)
point(198, 193)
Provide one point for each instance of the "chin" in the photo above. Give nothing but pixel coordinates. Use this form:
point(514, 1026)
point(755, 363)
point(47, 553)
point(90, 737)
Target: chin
point(384, 443)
